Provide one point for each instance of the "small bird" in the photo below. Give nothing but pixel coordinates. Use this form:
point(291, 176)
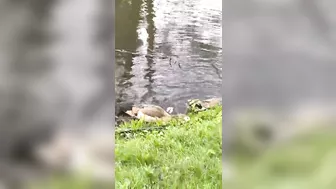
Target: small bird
point(197, 105)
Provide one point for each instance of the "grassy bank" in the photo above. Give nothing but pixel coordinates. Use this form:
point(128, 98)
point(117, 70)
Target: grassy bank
point(306, 162)
point(184, 155)
point(188, 155)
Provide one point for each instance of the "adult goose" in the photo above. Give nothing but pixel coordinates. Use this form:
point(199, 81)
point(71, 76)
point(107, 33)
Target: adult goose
point(150, 113)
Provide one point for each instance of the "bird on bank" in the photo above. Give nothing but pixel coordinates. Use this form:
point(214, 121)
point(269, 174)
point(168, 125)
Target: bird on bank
point(197, 105)
point(151, 113)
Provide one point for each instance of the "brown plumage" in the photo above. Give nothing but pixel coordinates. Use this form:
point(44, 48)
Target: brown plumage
point(150, 113)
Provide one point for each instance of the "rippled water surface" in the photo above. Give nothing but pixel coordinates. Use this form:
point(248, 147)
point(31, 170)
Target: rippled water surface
point(168, 51)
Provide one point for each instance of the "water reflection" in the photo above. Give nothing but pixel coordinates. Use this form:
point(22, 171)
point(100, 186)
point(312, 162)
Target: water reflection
point(173, 51)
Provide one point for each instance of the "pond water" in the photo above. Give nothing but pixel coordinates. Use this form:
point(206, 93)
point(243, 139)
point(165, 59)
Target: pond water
point(168, 51)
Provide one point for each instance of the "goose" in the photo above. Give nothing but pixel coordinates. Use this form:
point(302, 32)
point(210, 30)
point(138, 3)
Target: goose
point(152, 113)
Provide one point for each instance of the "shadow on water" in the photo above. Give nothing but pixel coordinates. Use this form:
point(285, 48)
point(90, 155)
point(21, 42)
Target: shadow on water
point(167, 51)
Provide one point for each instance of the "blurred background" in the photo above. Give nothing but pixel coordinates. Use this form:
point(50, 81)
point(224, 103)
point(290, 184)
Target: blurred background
point(168, 51)
point(279, 79)
point(56, 75)
point(56, 68)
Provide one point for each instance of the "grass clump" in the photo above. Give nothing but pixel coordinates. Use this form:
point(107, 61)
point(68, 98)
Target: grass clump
point(184, 155)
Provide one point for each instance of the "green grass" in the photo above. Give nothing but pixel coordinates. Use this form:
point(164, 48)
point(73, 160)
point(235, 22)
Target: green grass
point(307, 162)
point(188, 155)
point(64, 182)
point(185, 155)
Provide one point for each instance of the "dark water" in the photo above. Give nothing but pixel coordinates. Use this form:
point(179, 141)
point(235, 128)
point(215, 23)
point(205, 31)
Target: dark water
point(168, 51)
